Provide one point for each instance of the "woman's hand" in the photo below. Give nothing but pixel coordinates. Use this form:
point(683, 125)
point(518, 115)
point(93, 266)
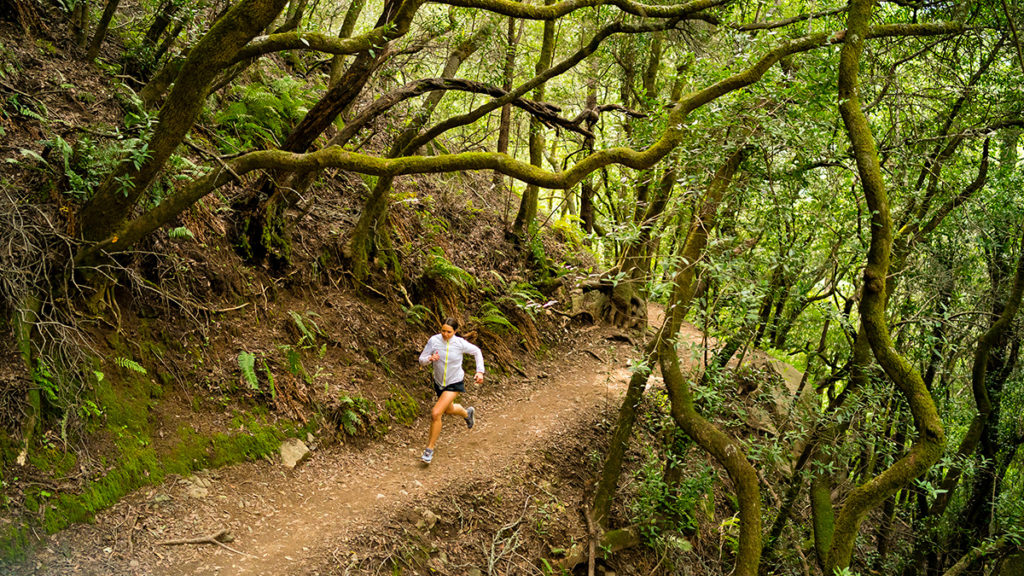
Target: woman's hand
point(434, 357)
point(479, 378)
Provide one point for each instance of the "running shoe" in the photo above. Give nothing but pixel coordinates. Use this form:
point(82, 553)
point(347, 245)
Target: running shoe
point(428, 455)
point(469, 417)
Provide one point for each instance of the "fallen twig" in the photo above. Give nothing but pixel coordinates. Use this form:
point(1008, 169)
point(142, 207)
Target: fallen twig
point(215, 538)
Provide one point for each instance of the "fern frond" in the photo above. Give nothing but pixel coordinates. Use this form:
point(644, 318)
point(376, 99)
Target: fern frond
point(247, 364)
point(180, 232)
point(492, 317)
point(441, 268)
point(129, 364)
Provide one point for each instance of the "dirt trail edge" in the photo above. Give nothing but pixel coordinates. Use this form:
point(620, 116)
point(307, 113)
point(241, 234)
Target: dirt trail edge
point(282, 520)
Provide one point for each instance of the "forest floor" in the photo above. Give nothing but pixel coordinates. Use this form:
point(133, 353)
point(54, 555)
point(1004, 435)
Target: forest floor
point(332, 512)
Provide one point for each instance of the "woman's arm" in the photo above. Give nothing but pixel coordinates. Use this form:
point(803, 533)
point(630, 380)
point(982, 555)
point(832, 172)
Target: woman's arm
point(477, 355)
point(427, 352)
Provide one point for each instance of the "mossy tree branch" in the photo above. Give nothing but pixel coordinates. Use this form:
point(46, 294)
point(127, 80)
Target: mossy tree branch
point(928, 446)
point(723, 449)
point(115, 198)
point(556, 10)
point(117, 233)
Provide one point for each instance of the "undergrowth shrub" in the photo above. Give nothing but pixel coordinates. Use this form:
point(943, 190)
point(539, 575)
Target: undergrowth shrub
point(351, 415)
point(260, 114)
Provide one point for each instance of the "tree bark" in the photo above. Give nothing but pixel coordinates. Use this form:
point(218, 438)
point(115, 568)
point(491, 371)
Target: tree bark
point(101, 29)
point(928, 446)
point(528, 205)
point(116, 197)
point(507, 78)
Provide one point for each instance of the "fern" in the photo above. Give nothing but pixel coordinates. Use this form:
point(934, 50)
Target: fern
point(417, 315)
point(129, 364)
point(247, 364)
point(270, 378)
point(353, 413)
point(180, 233)
point(526, 297)
point(441, 268)
point(492, 317)
point(294, 360)
point(310, 332)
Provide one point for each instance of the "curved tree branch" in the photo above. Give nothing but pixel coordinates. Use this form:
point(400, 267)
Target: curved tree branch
point(334, 157)
point(928, 446)
point(544, 111)
point(559, 9)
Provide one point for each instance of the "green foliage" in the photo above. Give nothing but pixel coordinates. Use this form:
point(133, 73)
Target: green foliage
point(526, 297)
point(293, 360)
point(655, 500)
point(129, 364)
point(259, 115)
point(417, 315)
point(308, 328)
point(247, 365)
point(493, 318)
point(440, 268)
point(180, 233)
point(354, 414)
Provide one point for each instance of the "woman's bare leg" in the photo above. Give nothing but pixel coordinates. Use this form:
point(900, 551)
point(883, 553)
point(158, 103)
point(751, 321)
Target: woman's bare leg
point(445, 405)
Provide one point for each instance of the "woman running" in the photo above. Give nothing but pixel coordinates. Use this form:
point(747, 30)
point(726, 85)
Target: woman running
point(445, 350)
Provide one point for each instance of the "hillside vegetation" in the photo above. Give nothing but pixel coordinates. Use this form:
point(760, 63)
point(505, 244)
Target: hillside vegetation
point(226, 224)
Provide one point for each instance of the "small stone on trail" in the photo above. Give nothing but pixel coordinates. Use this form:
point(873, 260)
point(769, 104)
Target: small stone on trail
point(428, 521)
point(198, 492)
point(293, 451)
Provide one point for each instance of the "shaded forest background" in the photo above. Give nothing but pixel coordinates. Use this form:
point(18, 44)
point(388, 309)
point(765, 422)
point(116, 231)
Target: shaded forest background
point(203, 202)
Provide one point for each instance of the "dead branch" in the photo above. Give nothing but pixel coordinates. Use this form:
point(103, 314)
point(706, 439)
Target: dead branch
point(218, 538)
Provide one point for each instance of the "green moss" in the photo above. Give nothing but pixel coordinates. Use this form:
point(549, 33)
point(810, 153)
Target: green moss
point(53, 460)
point(13, 543)
point(400, 407)
point(127, 405)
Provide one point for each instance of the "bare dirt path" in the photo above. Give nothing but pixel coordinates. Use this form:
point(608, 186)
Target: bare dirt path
point(285, 522)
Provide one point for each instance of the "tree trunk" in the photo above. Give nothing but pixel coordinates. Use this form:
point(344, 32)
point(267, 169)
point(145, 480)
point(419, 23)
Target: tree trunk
point(347, 26)
point(679, 305)
point(115, 199)
point(927, 448)
point(101, 30)
point(80, 23)
point(724, 449)
point(528, 205)
point(508, 76)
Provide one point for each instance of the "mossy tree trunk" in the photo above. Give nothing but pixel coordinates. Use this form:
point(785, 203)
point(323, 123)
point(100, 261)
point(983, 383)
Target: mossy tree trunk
point(679, 304)
point(355, 8)
point(24, 326)
point(528, 205)
point(115, 199)
point(928, 446)
point(722, 448)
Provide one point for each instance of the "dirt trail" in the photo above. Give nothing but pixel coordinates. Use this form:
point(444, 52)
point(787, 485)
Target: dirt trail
point(285, 522)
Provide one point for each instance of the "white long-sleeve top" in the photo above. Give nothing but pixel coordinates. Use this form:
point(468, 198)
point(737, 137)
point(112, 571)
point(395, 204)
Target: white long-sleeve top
point(448, 369)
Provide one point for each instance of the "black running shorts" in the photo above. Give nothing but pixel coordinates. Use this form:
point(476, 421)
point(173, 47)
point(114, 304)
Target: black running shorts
point(459, 386)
